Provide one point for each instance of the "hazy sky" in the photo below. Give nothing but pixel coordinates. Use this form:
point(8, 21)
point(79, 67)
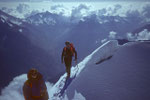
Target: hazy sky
point(75, 0)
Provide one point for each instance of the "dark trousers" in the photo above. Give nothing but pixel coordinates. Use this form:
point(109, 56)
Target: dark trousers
point(68, 61)
point(34, 98)
point(44, 97)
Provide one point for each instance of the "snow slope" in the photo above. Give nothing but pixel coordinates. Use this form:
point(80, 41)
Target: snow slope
point(111, 72)
point(57, 91)
point(106, 50)
point(123, 77)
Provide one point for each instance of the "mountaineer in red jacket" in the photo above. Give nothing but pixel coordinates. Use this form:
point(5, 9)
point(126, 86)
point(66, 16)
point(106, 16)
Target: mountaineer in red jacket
point(34, 88)
point(67, 54)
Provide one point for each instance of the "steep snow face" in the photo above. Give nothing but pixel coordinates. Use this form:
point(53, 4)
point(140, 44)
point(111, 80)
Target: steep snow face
point(110, 72)
point(125, 76)
point(14, 89)
point(9, 19)
point(106, 50)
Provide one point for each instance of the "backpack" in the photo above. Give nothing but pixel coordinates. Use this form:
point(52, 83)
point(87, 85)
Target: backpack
point(71, 48)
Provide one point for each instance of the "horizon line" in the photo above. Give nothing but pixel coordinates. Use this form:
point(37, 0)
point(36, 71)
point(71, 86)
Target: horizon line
point(80, 1)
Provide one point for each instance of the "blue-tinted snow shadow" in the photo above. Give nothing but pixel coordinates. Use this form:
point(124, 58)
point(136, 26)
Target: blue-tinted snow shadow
point(104, 59)
point(67, 83)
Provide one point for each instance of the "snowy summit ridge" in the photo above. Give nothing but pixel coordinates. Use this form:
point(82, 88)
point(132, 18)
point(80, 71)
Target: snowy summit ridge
point(104, 51)
point(75, 87)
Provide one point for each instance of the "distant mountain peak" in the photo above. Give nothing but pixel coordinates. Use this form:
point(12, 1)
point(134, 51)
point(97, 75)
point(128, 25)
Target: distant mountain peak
point(42, 18)
point(10, 19)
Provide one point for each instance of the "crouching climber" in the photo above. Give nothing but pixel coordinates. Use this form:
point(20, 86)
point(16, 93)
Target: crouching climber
point(34, 88)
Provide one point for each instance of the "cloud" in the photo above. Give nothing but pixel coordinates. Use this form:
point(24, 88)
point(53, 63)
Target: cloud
point(133, 14)
point(146, 11)
point(14, 90)
point(103, 41)
point(131, 37)
point(34, 12)
point(60, 9)
point(143, 12)
point(18, 11)
point(55, 7)
point(77, 96)
point(112, 35)
point(21, 8)
point(143, 35)
point(111, 11)
point(80, 11)
point(117, 7)
point(7, 10)
point(92, 0)
point(102, 11)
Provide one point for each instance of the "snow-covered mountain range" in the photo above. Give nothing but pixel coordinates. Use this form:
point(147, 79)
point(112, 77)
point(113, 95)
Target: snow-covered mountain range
point(18, 53)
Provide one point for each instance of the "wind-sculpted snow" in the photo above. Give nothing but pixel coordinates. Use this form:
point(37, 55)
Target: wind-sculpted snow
point(57, 91)
point(102, 88)
point(106, 50)
point(124, 76)
point(21, 8)
point(14, 90)
point(143, 35)
point(9, 19)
